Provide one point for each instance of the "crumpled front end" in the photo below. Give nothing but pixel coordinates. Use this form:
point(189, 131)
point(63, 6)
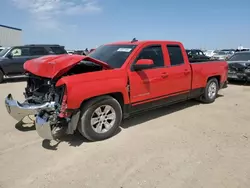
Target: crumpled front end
point(43, 113)
point(19, 110)
point(46, 93)
point(43, 128)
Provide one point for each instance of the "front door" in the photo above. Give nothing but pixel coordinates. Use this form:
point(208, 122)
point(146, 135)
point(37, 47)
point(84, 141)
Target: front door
point(148, 85)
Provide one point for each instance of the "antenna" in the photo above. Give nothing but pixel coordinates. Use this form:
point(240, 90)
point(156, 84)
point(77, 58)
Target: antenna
point(134, 40)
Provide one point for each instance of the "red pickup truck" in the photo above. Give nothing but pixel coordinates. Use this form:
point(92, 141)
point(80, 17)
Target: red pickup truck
point(95, 93)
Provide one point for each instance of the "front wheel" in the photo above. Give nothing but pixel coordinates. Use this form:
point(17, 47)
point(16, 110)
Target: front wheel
point(211, 91)
point(100, 118)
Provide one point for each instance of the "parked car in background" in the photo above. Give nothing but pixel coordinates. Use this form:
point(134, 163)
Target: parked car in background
point(239, 66)
point(13, 58)
point(70, 51)
point(228, 51)
point(81, 52)
point(242, 50)
point(95, 93)
point(221, 55)
point(91, 50)
point(196, 56)
point(209, 53)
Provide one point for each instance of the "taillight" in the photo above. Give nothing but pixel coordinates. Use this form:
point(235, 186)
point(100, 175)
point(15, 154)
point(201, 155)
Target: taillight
point(63, 112)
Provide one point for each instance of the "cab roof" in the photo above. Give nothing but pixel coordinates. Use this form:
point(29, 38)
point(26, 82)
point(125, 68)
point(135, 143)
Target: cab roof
point(142, 42)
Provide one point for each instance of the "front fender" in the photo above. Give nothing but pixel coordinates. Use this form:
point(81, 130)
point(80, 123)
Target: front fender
point(81, 87)
point(76, 95)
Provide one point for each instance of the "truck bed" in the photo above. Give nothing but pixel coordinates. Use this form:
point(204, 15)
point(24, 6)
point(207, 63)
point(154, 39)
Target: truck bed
point(211, 68)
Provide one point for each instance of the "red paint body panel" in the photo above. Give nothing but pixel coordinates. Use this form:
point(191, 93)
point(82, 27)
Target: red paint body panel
point(84, 86)
point(54, 65)
point(201, 72)
point(144, 85)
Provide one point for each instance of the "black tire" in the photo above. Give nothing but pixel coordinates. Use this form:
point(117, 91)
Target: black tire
point(1, 76)
point(205, 97)
point(88, 109)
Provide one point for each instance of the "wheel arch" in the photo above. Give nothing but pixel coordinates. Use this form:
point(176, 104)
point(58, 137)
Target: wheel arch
point(83, 123)
point(217, 77)
point(116, 95)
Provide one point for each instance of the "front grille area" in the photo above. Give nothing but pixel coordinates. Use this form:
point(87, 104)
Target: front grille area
point(40, 90)
point(37, 85)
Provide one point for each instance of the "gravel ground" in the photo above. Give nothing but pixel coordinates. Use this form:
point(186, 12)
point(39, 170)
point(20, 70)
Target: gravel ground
point(188, 145)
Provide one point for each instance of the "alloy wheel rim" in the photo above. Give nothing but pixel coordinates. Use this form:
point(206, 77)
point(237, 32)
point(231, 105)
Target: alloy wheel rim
point(103, 119)
point(212, 90)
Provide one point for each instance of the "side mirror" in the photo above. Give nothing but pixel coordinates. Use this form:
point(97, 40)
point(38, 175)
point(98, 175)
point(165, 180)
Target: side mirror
point(142, 64)
point(10, 56)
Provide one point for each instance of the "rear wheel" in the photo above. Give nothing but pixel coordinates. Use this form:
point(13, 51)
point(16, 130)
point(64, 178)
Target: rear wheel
point(100, 118)
point(1, 76)
point(211, 91)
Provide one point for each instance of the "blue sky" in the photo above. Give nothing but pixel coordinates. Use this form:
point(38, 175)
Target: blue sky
point(88, 23)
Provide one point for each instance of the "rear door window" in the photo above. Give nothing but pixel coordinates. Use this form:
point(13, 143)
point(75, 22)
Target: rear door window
point(175, 55)
point(36, 51)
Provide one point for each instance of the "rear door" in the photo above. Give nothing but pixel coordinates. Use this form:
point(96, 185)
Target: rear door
point(179, 73)
point(148, 85)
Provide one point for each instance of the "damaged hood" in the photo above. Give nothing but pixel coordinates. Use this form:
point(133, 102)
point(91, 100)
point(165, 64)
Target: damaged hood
point(52, 66)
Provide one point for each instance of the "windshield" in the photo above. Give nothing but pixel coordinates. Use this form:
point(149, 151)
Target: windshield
point(240, 57)
point(3, 52)
point(113, 55)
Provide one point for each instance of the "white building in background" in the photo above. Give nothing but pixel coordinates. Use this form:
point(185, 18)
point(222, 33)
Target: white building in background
point(10, 36)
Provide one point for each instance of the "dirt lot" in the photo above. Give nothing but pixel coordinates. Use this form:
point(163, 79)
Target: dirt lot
point(186, 145)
